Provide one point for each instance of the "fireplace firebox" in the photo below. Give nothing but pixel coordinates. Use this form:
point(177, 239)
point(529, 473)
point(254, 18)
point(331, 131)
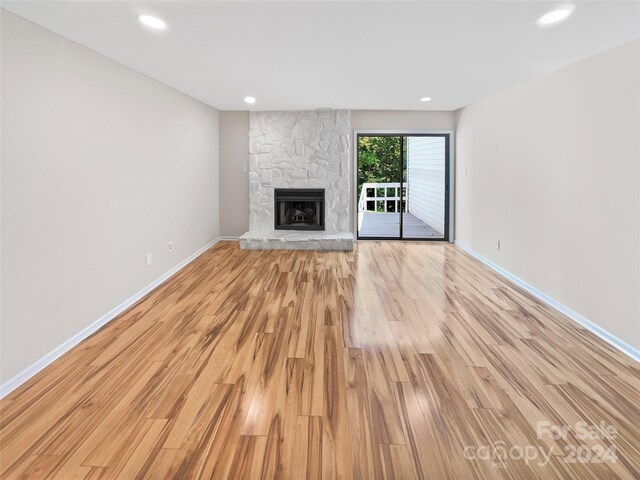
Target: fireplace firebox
point(299, 208)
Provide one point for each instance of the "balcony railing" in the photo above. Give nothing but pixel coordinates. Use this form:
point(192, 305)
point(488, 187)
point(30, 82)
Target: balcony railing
point(382, 197)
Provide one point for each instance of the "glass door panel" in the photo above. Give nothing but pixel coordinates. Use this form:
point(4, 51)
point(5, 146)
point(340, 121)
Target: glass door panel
point(379, 186)
point(426, 187)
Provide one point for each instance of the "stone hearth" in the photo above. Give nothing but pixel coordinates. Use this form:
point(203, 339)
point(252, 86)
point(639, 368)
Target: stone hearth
point(289, 240)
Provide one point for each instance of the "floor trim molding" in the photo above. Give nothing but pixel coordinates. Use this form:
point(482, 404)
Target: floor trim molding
point(608, 337)
point(13, 383)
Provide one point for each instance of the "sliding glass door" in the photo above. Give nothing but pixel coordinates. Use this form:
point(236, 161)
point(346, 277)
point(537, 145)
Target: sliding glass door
point(402, 186)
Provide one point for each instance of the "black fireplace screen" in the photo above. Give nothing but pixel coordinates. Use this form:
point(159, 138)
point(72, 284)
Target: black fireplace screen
point(299, 208)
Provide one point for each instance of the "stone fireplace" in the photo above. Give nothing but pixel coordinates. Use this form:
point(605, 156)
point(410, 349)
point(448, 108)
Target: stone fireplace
point(307, 152)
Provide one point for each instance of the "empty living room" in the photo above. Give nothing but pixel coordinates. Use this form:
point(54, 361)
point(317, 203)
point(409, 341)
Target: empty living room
point(319, 240)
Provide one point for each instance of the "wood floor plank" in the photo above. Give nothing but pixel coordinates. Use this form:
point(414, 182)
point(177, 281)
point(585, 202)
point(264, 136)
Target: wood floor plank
point(365, 454)
point(396, 360)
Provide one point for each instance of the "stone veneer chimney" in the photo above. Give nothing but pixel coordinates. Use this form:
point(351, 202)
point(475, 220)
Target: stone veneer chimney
point(299, 149)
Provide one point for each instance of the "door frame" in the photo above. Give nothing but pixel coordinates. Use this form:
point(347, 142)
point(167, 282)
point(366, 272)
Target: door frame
point(449, 168)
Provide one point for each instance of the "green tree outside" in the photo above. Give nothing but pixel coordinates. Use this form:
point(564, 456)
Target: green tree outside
point(378, 161)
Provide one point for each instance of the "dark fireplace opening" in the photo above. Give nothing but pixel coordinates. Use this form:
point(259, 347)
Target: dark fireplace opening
point(299, 208)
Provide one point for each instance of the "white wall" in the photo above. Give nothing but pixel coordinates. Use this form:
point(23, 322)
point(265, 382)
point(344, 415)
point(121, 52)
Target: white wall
point(552, 169)
point(426, 162)
point(234, 189)
point(402, 120)
point(100, 165)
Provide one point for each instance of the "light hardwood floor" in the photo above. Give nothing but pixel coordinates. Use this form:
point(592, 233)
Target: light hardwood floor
point(398, 360)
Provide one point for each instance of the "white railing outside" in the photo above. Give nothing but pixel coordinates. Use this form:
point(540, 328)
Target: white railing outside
point(390, 194)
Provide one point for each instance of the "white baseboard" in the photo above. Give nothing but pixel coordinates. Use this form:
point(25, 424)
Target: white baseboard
point(229, 237)
point(50, 357)
point(608, 337)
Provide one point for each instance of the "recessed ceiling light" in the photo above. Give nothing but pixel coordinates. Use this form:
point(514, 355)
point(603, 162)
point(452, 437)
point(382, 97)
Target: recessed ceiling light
point(425, 99)
point(153, 22)
point(556, 16)
point(249, 99)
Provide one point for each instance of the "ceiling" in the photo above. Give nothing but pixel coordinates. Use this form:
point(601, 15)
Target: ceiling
point(352, 54)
